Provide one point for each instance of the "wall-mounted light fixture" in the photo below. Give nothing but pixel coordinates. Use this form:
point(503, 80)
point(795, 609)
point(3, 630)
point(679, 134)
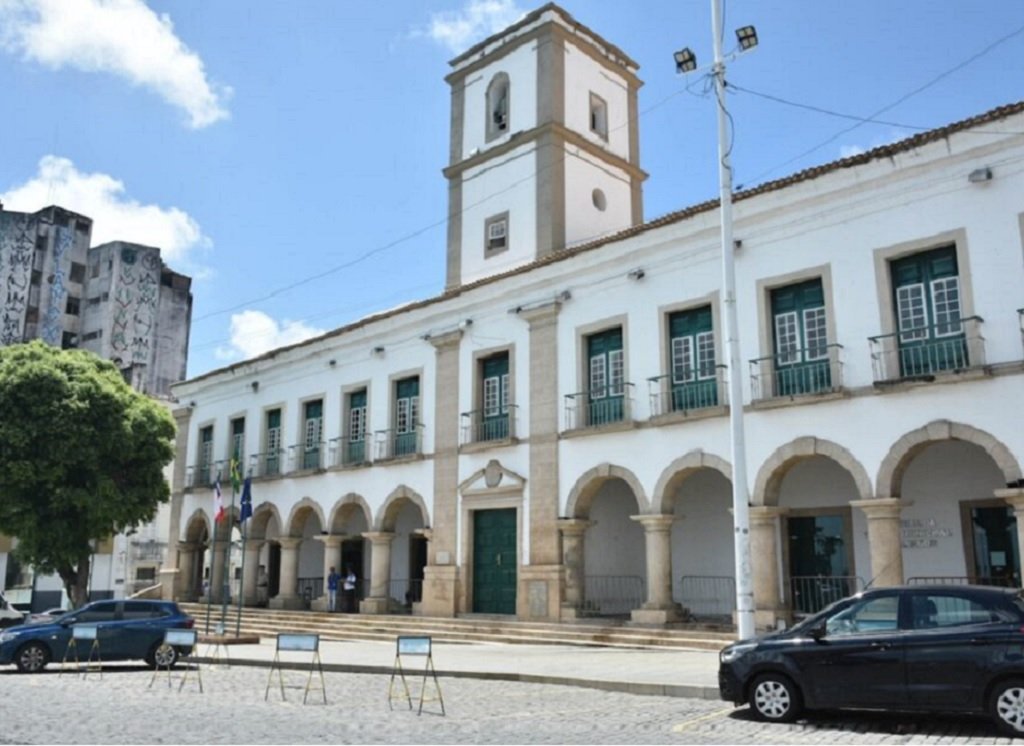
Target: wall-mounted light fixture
point(192, 404)
point(465, 323)
point(255, 386)
point(378, 351)
point(980, 175)
point(636, 274)
point(332, 362)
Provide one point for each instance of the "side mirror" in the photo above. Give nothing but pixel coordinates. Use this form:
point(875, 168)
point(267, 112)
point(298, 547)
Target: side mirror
point(818, 632)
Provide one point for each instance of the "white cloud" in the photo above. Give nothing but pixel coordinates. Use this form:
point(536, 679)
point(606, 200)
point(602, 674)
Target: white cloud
point(476, 20)
point(121, 37)
point(114, 215)
point(886, 138)
point(847, 151)
point(254, 332)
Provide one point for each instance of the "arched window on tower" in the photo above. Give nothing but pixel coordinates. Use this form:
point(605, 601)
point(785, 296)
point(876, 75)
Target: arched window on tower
point(498, 106)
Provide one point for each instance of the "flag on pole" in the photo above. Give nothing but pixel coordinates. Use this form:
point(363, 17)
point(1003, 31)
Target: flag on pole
point(246, 501)
point(236, 476)
point(218, 502)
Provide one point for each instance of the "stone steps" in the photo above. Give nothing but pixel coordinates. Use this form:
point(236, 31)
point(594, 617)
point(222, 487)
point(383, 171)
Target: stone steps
point(602, 633)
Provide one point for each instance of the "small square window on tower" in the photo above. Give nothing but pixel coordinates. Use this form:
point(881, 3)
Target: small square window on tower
point(598, 116)
point(496, 234)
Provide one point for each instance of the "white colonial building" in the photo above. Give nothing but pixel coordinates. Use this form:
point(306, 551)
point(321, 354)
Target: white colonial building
point(549, 437)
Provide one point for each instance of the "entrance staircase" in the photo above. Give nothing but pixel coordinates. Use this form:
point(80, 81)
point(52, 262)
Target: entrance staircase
point(470, 628)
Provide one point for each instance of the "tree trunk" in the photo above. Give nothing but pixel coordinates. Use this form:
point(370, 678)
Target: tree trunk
point(76, 581)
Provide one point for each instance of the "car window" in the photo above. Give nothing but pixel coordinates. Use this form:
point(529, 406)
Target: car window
point(871, 615)
point(142, 610)
point(937, 610)
point(100, 612)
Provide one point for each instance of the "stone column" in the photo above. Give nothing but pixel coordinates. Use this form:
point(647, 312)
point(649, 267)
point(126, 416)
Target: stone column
point(380, 573)
point(332, 558)
point(177, 584)
point(1014, 497)
point(573, 531)
point(541, 582)
point(186, 571)
point(250, 597)
point(766, 558)
point(885, 538)
point(218, 569)
point(659, 607)
point(288, 582)
point(440, 582)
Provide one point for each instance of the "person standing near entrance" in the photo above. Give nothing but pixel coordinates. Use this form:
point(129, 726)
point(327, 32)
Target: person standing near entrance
point(349, 588)
point(332, 589)
point(262, 587)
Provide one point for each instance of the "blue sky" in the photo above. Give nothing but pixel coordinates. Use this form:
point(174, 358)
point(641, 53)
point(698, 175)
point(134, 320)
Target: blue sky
point(288, 155)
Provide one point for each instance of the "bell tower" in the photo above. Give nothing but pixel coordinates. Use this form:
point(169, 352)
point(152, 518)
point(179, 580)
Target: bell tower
point(545, 151)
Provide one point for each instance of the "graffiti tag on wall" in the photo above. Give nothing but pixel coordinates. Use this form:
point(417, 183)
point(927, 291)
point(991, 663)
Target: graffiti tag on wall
point(17, 244)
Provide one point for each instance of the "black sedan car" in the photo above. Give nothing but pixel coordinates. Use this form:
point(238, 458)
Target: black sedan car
point(125, 630)
point(912, 648)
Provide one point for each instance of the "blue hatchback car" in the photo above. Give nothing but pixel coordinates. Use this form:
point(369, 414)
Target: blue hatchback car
point(125, 630)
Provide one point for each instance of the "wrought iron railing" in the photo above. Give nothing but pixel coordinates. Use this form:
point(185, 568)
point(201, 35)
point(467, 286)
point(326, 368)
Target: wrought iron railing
point(149, 549)
point(698, 390)
point(598, 407)
point(347, 451)
point(309, 588)
point(924, 351)
point(709, 596)
point(269, 464)
point(612, 595)
point(812, 593)
point(303, 457)
point(395, 444)
point(815, 370)
point(480, 428)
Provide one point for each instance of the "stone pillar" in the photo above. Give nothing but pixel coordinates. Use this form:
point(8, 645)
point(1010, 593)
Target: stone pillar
point(766, 559)
point(177, 585)
point(186, 571)
point(250, 597)
point(1014, 497)
point(885, 538)
point(380, 573)
point(332, 558)
point(659, 607)
point(440, 582)
point(541, 582)
point(218, 569)
point(288, 582)
point(573, 532)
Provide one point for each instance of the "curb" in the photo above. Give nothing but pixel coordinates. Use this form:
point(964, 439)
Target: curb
point(688, 691)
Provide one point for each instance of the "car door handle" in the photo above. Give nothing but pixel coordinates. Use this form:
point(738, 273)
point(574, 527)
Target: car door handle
point(881, 645)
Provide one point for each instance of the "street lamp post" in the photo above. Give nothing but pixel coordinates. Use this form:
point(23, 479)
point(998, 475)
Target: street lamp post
point(686, 61)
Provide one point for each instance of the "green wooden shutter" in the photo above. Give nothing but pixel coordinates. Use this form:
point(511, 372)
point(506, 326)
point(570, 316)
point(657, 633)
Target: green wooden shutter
point(606, 373)
point(800, 339)
point(494, 424)
point(692, 359)
point(926, 297)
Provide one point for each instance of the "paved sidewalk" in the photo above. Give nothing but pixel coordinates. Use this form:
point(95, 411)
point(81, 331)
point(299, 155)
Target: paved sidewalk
point(672, 673)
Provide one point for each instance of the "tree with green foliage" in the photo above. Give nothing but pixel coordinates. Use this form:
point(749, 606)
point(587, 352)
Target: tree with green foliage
point(81, 457)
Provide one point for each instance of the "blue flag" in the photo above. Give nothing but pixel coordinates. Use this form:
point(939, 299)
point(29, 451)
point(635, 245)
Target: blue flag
point(246, 501)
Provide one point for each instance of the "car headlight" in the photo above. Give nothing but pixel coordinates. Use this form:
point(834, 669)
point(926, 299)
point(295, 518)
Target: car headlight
point(735, 652)
point(7, 637)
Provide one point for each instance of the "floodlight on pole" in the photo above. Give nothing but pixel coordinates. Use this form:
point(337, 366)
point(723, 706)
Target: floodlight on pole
point(747, 39)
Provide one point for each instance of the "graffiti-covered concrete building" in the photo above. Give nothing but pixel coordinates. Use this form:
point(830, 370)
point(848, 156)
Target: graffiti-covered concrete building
point(118, 300)
point(549, 438)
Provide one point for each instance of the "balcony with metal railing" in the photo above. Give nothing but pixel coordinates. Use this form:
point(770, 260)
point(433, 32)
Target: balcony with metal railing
point(478, 427)
point(306, 457)
point(267, 465)
point(922, 353)
point(147, 550)
point(701, 390)
point(798, 372)
point(203, 476)
point(347, 451)
point(597, 408)
point(398, 444)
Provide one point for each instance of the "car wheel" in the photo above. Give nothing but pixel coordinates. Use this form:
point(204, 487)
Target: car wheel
point(162, 656)
point(1007, 706)
point(775, 699)
point(32, 658)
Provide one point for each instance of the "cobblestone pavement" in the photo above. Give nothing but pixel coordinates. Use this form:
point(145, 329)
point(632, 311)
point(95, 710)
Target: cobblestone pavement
point(121, 708)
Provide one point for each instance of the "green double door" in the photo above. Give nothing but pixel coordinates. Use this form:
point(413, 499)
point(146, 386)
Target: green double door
point(494, 561)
